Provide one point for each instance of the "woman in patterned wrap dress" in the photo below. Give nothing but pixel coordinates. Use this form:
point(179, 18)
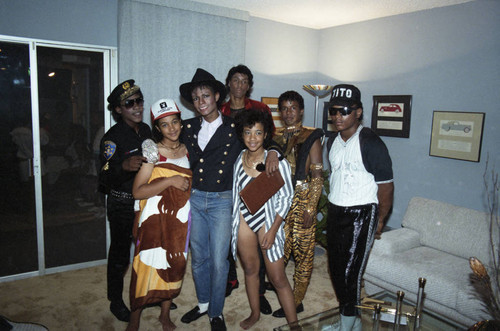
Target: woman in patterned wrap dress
point(161, 229)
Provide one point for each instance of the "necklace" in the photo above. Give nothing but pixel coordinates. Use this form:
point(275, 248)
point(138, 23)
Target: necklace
point(254, 165)
point(292, 130)
point(173, 150)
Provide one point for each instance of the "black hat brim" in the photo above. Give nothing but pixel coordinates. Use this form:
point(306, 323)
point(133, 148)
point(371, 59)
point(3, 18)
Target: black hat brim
point(187, 88)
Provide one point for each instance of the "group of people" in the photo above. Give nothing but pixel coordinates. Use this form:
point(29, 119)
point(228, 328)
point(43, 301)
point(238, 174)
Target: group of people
point(177, 189)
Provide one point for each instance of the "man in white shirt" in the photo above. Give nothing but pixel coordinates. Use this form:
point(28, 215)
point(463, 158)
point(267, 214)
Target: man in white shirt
point(361, 195)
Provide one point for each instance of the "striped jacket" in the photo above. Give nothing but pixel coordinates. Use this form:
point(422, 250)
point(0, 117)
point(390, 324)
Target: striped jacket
point(279, 204)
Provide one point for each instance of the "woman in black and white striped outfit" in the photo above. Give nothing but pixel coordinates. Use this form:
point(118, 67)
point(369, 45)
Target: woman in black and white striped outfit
point(263, 229)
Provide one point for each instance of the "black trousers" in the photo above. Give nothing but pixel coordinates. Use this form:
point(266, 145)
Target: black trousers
point(350, 235)
point(121, 220)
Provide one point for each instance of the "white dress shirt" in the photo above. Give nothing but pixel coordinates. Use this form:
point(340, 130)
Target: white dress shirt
point(207, 131)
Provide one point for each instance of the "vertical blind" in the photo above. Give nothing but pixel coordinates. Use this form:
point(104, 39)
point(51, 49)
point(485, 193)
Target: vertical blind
point(161, 45)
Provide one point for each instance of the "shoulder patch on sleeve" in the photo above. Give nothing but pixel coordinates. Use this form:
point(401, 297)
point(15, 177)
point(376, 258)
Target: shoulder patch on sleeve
point(109, 149)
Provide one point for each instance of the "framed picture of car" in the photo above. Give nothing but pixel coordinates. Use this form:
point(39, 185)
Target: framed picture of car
point(457, 135)
point(391, 115)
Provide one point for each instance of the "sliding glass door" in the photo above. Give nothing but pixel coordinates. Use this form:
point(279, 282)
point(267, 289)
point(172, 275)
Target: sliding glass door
point(70, 108)
point(18, 233)
point(52, 216)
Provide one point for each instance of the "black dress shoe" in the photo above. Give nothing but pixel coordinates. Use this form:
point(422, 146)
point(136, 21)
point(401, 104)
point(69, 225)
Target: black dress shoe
point(120, 311)
point(265, 307)
point(218, 324)
point(281, 313)
point(192, 315)
point(231, 285)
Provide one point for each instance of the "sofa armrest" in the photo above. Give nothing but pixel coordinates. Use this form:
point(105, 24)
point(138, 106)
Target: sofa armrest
point(396, 241)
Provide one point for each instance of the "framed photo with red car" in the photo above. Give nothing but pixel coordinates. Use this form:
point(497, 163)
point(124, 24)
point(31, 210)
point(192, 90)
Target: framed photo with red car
point(391, 115)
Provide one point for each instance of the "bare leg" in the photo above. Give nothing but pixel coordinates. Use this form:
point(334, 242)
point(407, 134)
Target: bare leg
point(250, 261)
point(135, 320)
point(165, 320)
point(277, 276)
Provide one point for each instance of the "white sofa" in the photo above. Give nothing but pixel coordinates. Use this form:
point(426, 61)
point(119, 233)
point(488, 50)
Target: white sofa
point(435, 242)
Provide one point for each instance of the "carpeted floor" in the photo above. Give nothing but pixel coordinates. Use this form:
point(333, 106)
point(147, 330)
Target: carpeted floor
point(76, 300)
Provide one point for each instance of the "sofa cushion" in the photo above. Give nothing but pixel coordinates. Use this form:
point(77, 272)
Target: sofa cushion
point(446, 274)
point(456, 230)
point(396, 241)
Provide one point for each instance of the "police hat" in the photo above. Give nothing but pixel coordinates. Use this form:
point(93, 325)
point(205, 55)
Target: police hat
point(122, 91)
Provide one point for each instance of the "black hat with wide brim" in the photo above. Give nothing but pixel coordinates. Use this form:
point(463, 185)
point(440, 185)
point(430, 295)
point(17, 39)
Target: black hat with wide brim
point(202, 77)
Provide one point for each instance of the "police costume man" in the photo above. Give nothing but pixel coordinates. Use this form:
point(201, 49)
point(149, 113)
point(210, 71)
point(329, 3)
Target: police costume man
point(120, 159)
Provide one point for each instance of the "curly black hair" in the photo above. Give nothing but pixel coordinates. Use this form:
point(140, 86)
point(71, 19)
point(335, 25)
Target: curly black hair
point(291, 96)
point(248, 118)
point(240, 69)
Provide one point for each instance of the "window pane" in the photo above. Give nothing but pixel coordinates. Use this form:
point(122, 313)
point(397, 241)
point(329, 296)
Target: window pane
point(72, 118)
point(18, 243)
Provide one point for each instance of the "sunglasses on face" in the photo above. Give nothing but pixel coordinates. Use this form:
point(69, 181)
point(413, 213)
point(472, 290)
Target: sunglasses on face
point(344, 111)
point(130, 102)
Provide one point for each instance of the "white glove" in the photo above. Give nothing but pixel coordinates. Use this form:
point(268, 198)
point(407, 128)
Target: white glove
point(150, 151)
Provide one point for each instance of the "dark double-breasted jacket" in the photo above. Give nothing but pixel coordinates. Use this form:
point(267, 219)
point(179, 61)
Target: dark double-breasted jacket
point(212, 167)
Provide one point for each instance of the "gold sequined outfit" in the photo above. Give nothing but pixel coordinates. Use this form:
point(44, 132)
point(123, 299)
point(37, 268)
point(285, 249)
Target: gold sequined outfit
point(296, 142)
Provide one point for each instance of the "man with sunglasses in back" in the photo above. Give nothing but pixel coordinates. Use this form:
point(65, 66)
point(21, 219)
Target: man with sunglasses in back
point(121, 158)
point(360, 198)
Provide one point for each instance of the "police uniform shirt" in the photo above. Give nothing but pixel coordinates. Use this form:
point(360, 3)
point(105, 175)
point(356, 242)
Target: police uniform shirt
point(119, 143)
point(355, 174)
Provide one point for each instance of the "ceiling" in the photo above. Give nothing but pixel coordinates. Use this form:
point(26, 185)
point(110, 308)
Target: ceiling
point(320, 14)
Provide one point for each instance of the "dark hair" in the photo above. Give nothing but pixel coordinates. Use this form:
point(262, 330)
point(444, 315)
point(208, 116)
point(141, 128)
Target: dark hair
point(209, 86)
point(117, 103)
point(241, 69)
point(248, 118)
point(291, 96)
point(157, 136)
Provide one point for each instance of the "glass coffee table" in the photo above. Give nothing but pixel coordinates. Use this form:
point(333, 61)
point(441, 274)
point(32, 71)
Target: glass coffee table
point(429, 321)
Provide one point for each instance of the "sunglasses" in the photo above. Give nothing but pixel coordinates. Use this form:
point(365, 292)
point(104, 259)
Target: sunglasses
point(344, 111)
point(130, 102)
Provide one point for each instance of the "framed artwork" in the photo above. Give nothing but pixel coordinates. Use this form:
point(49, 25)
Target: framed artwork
point(391, 115)
point(457, 135)
point(272, 103)
point(328, 126)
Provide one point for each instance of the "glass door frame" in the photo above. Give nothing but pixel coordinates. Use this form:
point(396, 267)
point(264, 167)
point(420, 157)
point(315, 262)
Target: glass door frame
point(110, 79)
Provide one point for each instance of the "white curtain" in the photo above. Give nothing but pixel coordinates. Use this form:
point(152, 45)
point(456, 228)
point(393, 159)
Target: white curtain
point(162, 42)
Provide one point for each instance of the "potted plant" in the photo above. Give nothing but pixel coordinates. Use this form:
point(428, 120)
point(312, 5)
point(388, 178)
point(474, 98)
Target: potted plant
point(488, 287)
